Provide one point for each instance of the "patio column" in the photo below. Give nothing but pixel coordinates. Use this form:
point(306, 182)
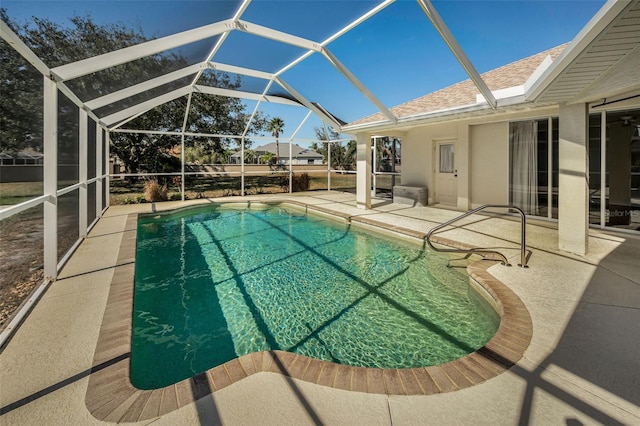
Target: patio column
point(50, 185)
point(573, 184)
point(329, 166)
point(107, 171)
point(242, 167)
point(82, 173)
point(99, 170)
point(464, 167)
point(363, 175)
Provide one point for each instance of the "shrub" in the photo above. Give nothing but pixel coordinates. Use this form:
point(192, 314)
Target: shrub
point(153, 191)
point(300, 182)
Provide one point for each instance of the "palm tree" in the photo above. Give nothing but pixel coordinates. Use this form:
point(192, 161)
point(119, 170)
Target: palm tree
point(275, 126)
point(249, 156)
point(267, 158)
point(350, 155)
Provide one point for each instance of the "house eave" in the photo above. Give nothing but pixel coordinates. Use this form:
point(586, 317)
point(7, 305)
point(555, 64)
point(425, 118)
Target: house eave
point(605, 17)
point(450, 114)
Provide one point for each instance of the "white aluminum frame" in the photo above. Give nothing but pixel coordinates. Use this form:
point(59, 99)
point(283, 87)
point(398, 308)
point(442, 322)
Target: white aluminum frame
point(457, 51)
point(144, 86)
point(99, 171)
point(276, 35)
point(358, 84)
point(145, 106)
point(306, 103)
point(240, 70)
point(106, 170)
point(131, 53)
point(50, 172)
point(83, 149)
point(100, 62)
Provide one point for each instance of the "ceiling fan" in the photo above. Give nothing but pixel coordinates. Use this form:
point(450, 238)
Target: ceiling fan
point(627, 120)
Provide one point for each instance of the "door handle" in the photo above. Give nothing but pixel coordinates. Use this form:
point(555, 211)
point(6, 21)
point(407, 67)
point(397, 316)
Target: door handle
point(455, 173)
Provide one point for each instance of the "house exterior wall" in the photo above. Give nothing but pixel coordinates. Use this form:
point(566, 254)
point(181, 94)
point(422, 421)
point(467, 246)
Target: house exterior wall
point(302, 161)
point(489, 163)
point(482, 155)
point(482, 160)
point(418, 160)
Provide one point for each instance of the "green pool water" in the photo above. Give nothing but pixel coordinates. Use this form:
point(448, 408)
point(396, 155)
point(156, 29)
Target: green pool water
point(215, 283)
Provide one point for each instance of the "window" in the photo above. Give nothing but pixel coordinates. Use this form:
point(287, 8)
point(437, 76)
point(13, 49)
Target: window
point(446, 158)
point(614, 169)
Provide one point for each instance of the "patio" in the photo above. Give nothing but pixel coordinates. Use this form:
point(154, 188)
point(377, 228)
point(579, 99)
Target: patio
point(580, 368)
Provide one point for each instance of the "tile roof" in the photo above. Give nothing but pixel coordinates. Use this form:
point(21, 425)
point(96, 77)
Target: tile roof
point(464, 93)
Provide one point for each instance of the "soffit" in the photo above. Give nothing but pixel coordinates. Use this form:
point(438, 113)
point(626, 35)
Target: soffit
point(608, 64)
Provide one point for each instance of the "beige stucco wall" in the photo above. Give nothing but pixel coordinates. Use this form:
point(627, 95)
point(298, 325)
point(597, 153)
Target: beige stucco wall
point(482, 160)
point(482, 155)
point(417, 154)
point(489, 163)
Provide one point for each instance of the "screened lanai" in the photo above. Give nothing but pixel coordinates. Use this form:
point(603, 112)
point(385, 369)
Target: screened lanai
point(99, 98)
point(272, 62)
point(89, 86)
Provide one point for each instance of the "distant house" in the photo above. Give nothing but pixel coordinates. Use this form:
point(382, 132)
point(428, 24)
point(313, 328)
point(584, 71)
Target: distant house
point(299, 155)
point(21, 158)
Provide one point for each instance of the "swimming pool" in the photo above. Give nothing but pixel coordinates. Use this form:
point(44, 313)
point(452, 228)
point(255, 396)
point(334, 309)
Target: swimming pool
point(212, 284)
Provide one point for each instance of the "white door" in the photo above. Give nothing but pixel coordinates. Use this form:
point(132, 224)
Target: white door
point(446, 173)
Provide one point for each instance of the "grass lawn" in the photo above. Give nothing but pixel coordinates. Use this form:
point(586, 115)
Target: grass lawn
point(17, 192)
point(132, 191)
point(22, 247)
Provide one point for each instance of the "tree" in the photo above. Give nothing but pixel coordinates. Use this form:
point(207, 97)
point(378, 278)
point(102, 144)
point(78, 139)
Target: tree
point(21, 96)
point(267, 158)
point(275, 126)
point(250, 156)
point(20, 99)
point(340, 156)
point(386, 154)
point(350, 154)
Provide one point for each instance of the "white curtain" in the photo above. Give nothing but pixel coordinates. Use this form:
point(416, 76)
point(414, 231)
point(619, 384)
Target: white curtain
point(446, 158)
point(524, 166)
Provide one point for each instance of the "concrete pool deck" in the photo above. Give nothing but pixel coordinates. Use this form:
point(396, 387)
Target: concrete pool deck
point(582, 365)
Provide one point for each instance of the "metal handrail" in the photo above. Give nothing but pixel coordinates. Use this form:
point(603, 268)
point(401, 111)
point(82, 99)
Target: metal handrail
point(481, 250)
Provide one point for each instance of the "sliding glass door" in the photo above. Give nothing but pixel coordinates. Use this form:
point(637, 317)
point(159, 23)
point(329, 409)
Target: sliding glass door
point(614, 169)
point(533, 166)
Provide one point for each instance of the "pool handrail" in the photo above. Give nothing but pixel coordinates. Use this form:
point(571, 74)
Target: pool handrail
point(481, 250)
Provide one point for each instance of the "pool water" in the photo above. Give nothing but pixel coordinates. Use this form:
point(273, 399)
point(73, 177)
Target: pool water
point(215, 283)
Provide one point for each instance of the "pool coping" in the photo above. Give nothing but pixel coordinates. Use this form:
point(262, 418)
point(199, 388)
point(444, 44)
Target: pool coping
point(111, 397)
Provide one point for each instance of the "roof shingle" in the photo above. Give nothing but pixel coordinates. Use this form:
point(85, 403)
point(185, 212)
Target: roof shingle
point(464, 93)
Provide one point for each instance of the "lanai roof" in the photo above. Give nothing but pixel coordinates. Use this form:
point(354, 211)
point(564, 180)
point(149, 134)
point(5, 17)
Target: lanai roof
point(212, 41)
point(603, 60)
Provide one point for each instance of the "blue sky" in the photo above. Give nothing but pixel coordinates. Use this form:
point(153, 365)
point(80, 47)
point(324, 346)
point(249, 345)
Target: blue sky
point(396, 54)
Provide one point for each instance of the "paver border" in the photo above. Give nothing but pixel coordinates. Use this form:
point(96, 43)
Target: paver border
point(111, 396)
